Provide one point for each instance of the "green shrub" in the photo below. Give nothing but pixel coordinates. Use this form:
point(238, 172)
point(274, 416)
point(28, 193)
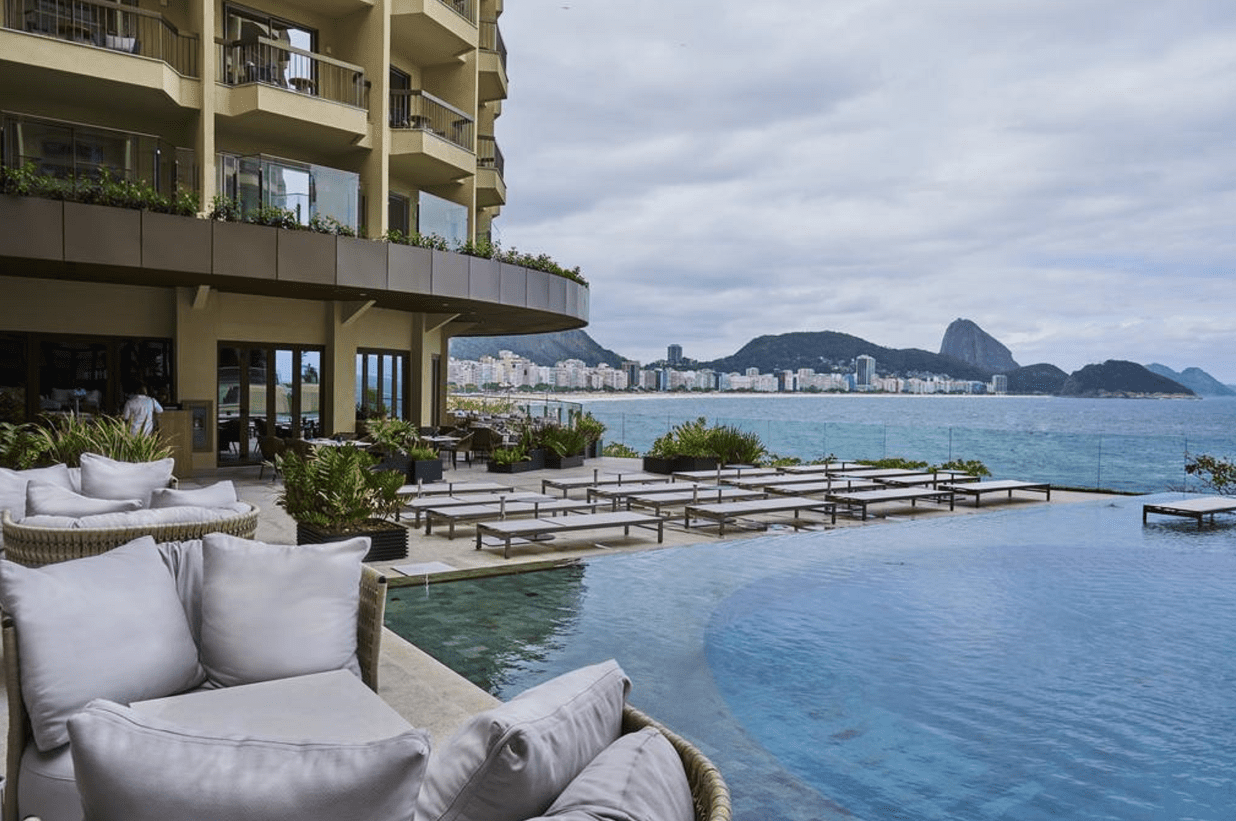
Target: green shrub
point(894, 462)
point(509, 456)
point(21, 445)
point(67, 438)
point(734, 446)
point(620, 450)
point(337, 489)
point(971, 467)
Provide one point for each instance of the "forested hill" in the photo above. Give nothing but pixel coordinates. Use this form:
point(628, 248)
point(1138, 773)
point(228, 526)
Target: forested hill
point(823, 350)
point(1118, 377)
point(543, 349)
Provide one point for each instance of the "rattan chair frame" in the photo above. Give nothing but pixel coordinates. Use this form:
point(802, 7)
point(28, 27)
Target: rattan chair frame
point(708, 788)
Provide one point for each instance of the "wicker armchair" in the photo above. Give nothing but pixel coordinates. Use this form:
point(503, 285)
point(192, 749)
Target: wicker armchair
point(371, 608)
point(708, 788)
point(35, 546)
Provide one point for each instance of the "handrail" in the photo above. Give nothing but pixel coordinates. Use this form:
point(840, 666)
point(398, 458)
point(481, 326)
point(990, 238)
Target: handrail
point(489, 155)
point(109, 25)
point(417, 109)
point(273, 62)
point(464, 8)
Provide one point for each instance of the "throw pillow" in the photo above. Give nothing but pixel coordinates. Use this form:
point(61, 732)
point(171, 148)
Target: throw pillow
point(271, 611)
point(13, 487)
point(43, 499)
point(639, 777)
point(105, 478)
point(107, 626)
point(131, 767)
point(511, 762)
point(220, 494)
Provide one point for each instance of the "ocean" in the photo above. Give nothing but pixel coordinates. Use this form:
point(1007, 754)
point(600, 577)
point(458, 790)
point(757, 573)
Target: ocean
point(1129, 445)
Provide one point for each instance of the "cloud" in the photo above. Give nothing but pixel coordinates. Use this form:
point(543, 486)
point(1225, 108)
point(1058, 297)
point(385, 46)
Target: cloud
point(1061, 172)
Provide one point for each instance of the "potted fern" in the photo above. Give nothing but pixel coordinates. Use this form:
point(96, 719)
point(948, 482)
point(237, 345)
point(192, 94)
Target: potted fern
point(335, 494)
point(399, 447)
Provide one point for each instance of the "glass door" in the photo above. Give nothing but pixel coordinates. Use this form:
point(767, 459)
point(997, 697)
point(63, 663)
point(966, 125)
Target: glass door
point(266, 390)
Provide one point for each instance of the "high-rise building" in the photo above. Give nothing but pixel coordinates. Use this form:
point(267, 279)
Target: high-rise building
point(674, 354)
point(864, 371)
point(346, 116)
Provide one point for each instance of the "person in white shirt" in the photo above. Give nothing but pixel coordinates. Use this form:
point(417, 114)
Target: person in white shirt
point(140, 411)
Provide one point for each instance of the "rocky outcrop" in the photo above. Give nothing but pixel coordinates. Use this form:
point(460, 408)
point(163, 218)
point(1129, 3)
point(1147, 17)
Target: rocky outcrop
point(968, 342)
point(1116, 377)
point(1042, 378)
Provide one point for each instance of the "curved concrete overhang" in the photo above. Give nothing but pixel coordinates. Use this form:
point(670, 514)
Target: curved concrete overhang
point(65, 240)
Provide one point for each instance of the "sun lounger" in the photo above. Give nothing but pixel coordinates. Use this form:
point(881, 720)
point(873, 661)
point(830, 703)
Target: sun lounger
point(977, 489)
point(569, 483)
point(418, 505)
point(480, 513)
point(870, 473)
point(721, 512)
point(863, 498)
point(775, 480)
point(452, 488)
point(656, 501)
point(722, 473)
point(510, 530)
point(816, 488)
point(926, 479)
point(617, 494)
point(821, 467)
point(1196, 508)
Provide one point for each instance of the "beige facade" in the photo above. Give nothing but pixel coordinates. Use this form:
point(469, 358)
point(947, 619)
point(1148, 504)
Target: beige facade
point(378, 115)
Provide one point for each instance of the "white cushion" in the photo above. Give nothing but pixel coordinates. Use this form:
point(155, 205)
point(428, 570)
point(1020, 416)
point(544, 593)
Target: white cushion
point(60, 475)
point(13, 493)
point(184, 560)
point(639, 777)
point(46, 787)
point(511, 762)
point(43, 499)
point(138, 768)
point(107, 626)
point(105, 478)
point(220, 494)
point(272, 611)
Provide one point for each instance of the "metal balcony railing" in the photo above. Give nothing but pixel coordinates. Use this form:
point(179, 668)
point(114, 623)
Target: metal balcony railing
point(275, 63)
point(108, 25)
point(420, 110)
point(491, 40)
point(464, 8)
point(489, 155)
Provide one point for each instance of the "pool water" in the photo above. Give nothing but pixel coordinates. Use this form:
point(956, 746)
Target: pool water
point(1054, 661)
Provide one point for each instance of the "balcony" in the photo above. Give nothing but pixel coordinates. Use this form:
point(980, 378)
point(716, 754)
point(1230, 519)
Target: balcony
point(106, 25)
point(431, 140)
point(492, 62)
point(490, 166)
point(434, 32)
point(271, 89)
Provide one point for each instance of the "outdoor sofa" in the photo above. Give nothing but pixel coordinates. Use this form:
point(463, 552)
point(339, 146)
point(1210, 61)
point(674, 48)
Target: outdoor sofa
point(175, 626)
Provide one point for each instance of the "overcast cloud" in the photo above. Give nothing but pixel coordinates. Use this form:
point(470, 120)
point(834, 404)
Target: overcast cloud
point(1062, 172)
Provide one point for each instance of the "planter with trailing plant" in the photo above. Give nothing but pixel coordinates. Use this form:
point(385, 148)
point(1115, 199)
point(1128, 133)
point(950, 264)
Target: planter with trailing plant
point(334, 494)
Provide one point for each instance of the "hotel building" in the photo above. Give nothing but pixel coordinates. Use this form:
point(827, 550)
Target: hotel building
point(372, 115)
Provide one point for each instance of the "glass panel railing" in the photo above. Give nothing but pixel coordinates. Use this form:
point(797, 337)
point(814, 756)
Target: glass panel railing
point(108, 25)
point(489, 155)
point(421, 111)
point(274, 63)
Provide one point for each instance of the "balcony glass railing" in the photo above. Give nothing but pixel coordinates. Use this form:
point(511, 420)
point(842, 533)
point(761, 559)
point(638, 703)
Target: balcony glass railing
point(275, 63)
point(420, 110)
point(464, 8)
point(106, 25)
point(489, 155)
point(491, 40)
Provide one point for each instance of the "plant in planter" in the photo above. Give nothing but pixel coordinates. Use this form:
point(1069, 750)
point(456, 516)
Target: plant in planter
point(66, 438)
point(335, 494)
point(736, 447)
point(565, 445)
point(686, 446)
point(511, 460)
point(592, 428)
point(400, 447)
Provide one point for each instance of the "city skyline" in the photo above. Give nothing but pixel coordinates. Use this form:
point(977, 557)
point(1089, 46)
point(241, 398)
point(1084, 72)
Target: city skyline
point(1062, 174)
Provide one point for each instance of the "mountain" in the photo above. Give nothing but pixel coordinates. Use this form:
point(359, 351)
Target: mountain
point(823, 350)
point(1116, 377)
point(543, 349)
point(1040, 378)
point(1195, 379)
point(968, 342)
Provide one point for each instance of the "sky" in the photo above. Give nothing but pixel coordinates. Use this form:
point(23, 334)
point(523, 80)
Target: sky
point(1061, 172)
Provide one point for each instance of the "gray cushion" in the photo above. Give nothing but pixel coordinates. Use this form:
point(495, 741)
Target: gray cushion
point(105, 478)
point(137, 768)
point(184, 560)
point(43, 499)
point(511, 762)
point(220, 494)
point(46, 787)
point(637, 778)
point(13, 493)
point(108, 626)
point(272, 611)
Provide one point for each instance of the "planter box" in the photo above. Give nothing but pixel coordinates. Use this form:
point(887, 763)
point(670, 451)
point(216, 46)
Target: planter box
point(595, 450)
point(239, 249)
point(176, 243)
point(33, 227)
point(535, 461)
point(410, 269)
point(553, 460)
point(361, 263)
point(676, 464)
point(306, 256)
point(389, 541)
point(102, 235)
point(425, 471)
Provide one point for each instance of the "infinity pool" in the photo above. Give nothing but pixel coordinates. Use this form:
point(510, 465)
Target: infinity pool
point(1055, 661)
